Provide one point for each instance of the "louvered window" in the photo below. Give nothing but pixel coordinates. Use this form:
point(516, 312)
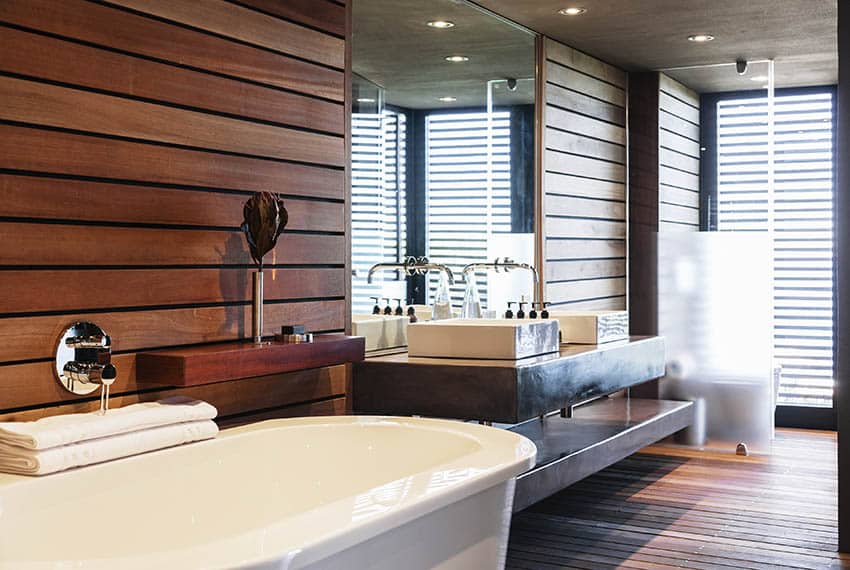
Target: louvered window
point(377, 201)
point(468, 194)
point(800, 215)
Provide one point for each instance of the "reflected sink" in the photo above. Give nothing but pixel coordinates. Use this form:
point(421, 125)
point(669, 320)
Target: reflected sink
point(381, 331)
point(592, 327)
point(497, 339)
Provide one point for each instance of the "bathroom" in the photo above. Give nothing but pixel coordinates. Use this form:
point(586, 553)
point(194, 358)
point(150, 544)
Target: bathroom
point(422, 284)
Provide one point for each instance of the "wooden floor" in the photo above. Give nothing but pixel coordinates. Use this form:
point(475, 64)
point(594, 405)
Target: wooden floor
point(669, 507)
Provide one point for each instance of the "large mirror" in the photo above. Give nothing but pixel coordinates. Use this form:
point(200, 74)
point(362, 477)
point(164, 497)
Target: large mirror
point(442, 154)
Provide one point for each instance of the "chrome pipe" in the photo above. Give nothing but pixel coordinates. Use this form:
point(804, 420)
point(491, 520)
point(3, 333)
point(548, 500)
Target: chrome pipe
point(257, 308)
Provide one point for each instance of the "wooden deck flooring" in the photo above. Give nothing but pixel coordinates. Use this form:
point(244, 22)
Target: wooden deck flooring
point(669, 507)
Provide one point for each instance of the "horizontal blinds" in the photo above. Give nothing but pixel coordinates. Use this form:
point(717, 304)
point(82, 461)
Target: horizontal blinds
point(378, 197)
point(462, 209)
point(801, 221)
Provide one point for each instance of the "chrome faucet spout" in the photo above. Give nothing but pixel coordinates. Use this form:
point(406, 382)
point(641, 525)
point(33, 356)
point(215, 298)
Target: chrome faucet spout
point(505, 265)
point(412, 266)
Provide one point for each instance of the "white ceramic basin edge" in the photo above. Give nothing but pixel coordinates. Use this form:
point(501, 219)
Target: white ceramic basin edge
point(222, 503)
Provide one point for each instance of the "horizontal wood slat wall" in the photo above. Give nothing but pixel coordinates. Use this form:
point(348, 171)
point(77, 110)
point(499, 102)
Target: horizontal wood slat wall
point(679, 156)
point(584, 180)
point(131, 133)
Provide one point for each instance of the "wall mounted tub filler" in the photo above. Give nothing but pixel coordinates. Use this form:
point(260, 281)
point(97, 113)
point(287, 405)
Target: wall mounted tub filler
point(264, 219)
point(84, 361)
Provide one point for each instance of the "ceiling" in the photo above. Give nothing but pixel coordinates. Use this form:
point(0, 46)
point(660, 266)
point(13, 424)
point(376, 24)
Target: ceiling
point(394, 48)
point(640, 35)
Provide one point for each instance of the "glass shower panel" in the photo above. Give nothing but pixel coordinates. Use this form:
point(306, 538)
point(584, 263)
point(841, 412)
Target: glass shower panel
point(715, 311)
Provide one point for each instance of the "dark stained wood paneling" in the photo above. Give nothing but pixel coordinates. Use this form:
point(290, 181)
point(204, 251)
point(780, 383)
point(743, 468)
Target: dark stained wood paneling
point(219, 17)
point(44, 57)
point(322, 14)
point(29, 338)
point(38, 103)
point(78, 155)
point(83, 245)
point(669, 507)
point(679, 182)
point(229, 397)
point(132, 133)
point(36, 291)
point(141, 35)
point(584, 181)
point(83, 200)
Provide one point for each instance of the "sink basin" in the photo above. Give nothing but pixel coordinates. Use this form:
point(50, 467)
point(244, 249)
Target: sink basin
point(381, 331)
point(592, 327)
point(498, 339)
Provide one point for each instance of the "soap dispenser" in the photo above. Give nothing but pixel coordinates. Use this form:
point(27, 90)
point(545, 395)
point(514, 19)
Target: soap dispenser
point(532, 314)
point(520, 314)
point(544, 314)
point(388, 310)
point(376, 310)
point(471, 308)
point(442, 305)
point(399, 312)
point(411, 312)
point(509, 314)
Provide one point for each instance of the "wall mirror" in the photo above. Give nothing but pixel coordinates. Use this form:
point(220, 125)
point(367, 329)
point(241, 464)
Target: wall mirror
point(442, 151)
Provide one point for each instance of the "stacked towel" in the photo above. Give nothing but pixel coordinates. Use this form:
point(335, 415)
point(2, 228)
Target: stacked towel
point(61, 442)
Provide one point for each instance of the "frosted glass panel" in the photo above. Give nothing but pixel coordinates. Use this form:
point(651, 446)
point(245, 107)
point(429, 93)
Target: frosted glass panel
point(715, 311)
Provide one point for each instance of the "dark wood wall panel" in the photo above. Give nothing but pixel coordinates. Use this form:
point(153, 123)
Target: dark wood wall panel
point(678, 190)
point(131, 133)
point(139, 35)
point(584, 181)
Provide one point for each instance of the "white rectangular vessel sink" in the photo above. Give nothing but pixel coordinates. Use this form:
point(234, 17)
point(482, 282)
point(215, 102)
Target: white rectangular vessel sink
point(381, 331)
point(592, 327)
point(498, 339)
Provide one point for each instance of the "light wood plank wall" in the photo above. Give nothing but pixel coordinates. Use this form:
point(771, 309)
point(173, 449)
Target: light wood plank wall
point(131, 132)
point(679, 156)
point(584, 180)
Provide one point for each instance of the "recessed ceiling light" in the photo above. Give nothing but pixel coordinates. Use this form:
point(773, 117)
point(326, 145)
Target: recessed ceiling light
point(457, 58)
point(365, 100)
point(758, 78)
point(700, 38)
point(572, 11)
point(441, 24)
point(448, 99)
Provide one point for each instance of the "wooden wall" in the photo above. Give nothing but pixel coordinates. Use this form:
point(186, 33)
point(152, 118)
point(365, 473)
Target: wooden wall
point(584, 180)
point(131, 132)
point(679, 156)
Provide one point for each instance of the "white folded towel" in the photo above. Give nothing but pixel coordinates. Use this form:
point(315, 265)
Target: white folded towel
point(21, 461)
point(66, 429)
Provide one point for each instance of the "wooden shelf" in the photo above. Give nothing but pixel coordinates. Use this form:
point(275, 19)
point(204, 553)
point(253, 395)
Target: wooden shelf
point(232, 361)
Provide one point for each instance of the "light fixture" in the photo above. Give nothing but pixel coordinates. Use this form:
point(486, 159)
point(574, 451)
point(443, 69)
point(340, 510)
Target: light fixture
point(441, 24)
point(448, 99)
point(365, 100)
point(761, 78)
point(457, 58)
point(572, 11)
point(700, 38)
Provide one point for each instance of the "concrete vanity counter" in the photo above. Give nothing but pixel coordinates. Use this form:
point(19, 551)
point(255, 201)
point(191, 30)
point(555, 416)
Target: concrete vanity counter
point(504, 391)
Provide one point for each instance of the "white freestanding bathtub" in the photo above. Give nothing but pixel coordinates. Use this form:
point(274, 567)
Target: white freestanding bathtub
point(330, 493)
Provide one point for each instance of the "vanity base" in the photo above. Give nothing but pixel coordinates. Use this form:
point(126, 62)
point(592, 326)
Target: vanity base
point(597, 435)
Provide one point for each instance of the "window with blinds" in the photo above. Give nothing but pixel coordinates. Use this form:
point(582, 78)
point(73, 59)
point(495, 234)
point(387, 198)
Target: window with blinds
point(378, 195)
point(799, 213)
point(468, 193)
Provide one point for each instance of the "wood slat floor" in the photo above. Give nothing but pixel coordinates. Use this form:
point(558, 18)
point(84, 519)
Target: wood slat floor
point(671, 507)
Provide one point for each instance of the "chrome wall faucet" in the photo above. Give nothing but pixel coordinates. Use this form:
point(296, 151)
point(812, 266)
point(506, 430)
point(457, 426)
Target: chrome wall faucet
point(506, 264)
point(412, 266)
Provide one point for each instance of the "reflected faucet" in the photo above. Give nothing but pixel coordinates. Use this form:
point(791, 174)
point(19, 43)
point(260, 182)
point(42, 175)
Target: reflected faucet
point(412, 266)
point(505, 265)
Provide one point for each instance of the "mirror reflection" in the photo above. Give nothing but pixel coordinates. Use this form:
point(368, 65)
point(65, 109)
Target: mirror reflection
point(442, 162)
